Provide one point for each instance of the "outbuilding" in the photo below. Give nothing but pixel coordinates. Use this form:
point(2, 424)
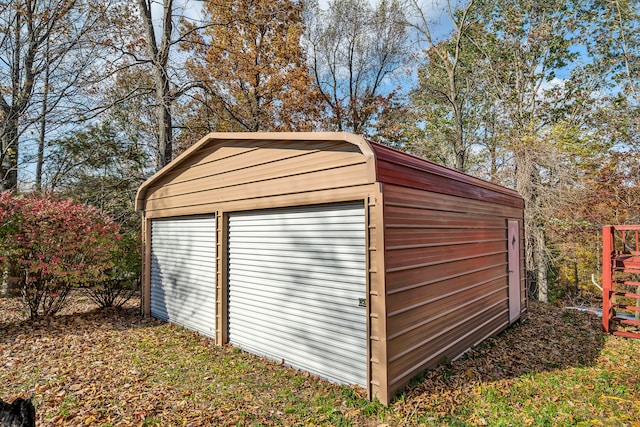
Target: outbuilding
point(342, 257)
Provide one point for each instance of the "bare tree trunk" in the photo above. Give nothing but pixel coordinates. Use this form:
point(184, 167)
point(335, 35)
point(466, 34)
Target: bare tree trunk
point(536, 257)
point(9, 154)
point(165, 125)
point(43, 123)
point(159, 54)
point(459, 148)
point(541, 264)
point(449, 58)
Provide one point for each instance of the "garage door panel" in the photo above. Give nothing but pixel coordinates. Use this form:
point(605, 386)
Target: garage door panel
point(197, 323)
point(320, 266)
point(266, 252)
point(178, 283)
point(173, 237)
point(324, 332)
point(174, 265)
point(314, 278)
point(295, 338)
point(271, 230)
point(299, 333)
point(348, 315)
point(290, 284)
point(173, 297)
point(344, 300)
point(349, 373)
point(297, 283)
point(301, 216)
point(296, 268)
point(183, 272)
point(323, 263)
point(278, 344)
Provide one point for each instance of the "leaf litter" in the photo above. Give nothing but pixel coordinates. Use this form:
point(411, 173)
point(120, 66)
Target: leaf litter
point(91, 367)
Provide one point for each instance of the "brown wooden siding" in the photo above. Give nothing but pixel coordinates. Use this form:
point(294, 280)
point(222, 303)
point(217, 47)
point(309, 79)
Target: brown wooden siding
point(395, 167)
point(451, 338)
point(237, 170)
point(446, 276)
point(377, 309)
point(222, 308)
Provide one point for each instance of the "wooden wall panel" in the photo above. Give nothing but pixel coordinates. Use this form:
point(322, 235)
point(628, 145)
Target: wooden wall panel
point(402, 169)
point(450, 338)
point(302, 182)
point(376, 299)
point(416, 237)
point(408, 277)
point(446, 275)
point(440, 202)
point(245, 169)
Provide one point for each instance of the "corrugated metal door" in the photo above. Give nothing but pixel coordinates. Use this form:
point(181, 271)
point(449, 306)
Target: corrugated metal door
point(183, 272)
point(297, 288)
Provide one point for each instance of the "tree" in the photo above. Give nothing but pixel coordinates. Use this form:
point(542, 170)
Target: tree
point(610, 191)
point(354, 50)
point(610, 31)
point(524, 45)
point(500, 68)
point(142, 66)
point(250, 68)
point(103, 167)
point(447, 82)
point(42, 59)
point(158, 52)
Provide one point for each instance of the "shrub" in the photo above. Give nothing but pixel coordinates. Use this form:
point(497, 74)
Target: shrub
point(51, 246)
point(123, 278)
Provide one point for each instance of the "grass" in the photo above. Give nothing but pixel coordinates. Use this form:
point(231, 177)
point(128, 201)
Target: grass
point(110, 368)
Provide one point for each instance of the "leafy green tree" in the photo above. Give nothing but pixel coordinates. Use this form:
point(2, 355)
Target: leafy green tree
point(512, 86)
point(447, 82)
point(610, 31)
point(103, 167)
point(525, 45)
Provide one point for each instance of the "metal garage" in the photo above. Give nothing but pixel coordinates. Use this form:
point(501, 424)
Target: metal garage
point(183, 272)
point(339, 256)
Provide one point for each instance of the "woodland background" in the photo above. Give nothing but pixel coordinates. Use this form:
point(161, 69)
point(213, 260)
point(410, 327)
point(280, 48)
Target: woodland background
point(542, 97)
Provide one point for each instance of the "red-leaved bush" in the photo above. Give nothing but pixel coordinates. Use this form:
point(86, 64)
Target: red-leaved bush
point(49, 246)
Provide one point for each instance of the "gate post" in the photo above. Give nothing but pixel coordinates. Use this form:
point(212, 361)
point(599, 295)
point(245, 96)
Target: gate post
point(607, 265)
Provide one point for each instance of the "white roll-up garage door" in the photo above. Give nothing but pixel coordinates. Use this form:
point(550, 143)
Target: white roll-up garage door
point(297, 288)
point(183, 272)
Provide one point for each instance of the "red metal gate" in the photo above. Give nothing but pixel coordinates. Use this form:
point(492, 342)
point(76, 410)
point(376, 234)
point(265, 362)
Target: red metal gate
point(621, 280)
